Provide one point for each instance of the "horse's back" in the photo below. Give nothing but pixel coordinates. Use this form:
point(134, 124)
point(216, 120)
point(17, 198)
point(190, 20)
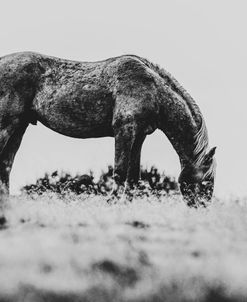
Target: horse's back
point(77, 98)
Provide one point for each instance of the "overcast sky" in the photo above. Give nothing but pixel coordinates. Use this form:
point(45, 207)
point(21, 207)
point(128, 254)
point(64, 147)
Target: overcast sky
point(202, 43)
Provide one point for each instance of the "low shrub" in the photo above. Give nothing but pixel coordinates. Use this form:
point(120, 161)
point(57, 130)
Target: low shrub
point(151, 182)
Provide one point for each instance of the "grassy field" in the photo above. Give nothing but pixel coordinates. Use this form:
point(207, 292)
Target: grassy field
point(80, 248)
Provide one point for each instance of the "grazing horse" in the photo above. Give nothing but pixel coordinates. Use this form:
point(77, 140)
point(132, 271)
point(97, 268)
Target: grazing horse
point(125, 97)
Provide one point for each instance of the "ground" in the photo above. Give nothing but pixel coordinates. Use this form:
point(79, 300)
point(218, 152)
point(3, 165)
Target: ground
point(81, 248)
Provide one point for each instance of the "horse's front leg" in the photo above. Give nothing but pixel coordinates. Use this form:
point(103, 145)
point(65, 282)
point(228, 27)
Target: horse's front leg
point(128, 142)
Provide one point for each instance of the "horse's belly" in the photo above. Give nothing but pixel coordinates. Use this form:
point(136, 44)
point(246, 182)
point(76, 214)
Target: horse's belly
point(83, 114)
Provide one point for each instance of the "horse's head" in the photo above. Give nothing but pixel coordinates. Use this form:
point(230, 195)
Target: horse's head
point(197, 180)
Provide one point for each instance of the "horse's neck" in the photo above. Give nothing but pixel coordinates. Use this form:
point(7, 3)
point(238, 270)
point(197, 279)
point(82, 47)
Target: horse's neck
point(184, 126)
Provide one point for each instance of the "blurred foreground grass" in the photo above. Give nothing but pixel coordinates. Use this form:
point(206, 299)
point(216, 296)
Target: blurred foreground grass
point(80, 248)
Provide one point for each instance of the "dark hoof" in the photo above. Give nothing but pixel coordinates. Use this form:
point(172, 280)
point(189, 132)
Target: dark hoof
point(3, 222)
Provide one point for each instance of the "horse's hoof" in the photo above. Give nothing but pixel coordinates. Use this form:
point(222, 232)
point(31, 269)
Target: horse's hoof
point(3, 222)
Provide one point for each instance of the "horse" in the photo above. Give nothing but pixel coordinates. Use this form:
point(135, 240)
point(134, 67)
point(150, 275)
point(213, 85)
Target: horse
point(125, 97)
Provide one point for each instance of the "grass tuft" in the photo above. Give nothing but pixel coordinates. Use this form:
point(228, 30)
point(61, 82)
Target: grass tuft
point(81, 248)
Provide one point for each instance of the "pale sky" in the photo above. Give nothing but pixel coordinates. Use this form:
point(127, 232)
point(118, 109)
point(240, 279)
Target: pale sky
point(202, 43)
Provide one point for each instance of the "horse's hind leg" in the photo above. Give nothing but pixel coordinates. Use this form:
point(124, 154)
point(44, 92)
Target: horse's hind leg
point(7, 156)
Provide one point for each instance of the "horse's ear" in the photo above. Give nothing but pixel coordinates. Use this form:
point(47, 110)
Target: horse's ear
point(209, 156)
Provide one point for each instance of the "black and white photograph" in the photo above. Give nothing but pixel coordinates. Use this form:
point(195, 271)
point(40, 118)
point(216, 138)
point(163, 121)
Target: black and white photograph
point(123, 151)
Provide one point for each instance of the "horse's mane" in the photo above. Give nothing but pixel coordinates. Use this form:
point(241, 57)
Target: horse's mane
point(201, 137)
point(200, 143)
point(200, 150)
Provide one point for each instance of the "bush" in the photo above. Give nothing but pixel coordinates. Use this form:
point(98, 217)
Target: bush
point(151, 182)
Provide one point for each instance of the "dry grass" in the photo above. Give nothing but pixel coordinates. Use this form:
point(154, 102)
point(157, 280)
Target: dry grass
point(80, 248)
